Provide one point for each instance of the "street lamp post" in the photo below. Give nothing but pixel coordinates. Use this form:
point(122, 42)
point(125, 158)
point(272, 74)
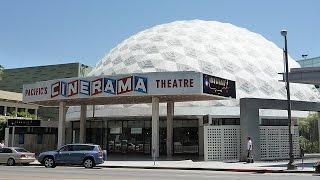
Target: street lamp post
point(290, 165)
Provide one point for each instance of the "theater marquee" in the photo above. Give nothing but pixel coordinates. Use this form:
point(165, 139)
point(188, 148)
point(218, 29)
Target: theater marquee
point(144, 84)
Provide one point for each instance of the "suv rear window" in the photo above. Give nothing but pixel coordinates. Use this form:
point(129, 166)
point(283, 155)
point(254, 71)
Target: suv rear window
point(83, 148)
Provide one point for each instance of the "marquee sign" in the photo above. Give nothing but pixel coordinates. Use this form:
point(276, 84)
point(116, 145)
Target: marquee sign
point(99, 85)
point(158, 83)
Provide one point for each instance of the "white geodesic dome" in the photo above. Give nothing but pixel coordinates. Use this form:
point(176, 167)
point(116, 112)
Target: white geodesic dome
point(219, 49)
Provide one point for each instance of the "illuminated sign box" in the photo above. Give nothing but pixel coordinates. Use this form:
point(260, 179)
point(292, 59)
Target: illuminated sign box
point(219, 86)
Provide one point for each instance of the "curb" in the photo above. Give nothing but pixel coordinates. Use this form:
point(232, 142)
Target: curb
point(213, 169)
point(205, 169)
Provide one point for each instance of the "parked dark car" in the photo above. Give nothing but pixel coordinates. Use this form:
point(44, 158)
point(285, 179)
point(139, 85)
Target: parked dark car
point(88, 155)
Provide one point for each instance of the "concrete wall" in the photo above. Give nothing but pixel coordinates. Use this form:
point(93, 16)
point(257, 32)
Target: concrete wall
point(224, 142)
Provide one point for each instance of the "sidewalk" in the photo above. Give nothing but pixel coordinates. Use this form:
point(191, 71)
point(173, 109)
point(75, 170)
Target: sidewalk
point(275, 167)
point(259, 167)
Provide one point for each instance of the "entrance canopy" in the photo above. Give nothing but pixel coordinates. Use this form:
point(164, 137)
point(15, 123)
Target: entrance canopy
point(129, 89)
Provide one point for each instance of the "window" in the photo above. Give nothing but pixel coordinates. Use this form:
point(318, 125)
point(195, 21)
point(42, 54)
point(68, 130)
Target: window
point(39, 138)
point(21, 130)
point(116, 130)
point(276, 122)
point(31, 111)
point(38, 130)
point(82, 148)
point(21, 138)
point(66, 148)
point(10, 111)
point(6, 150)
point(225, 121)
point(21, 150)
point(22, 111)
point(2, 110)
point(136, 130)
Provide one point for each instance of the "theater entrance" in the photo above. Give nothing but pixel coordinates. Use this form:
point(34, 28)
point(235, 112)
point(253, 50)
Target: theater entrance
point(133, 136)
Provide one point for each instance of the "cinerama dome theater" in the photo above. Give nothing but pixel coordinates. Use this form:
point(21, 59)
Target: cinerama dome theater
point(215, 48)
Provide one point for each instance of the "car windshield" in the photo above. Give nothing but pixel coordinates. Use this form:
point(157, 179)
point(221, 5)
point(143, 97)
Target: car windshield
point(20, 150)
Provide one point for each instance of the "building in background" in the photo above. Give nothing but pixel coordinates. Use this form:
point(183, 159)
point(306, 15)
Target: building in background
point(13, 80)
point(42, 137)
point(310, 62)
point(12, 108)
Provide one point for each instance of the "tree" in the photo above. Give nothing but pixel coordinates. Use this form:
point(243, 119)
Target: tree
point(22, 114)
point(308, 130)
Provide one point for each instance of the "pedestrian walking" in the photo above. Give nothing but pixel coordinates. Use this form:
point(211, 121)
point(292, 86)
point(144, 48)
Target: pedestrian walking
point(2, 144)
point(249, 150)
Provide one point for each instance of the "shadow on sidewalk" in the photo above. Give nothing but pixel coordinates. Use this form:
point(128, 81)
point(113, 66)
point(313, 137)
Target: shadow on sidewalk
point(306, 165)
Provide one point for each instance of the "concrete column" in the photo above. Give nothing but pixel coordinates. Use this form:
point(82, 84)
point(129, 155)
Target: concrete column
point(155, 127)
point(73, 136)
point(170, 114)
point(83, 116)
point(16, 109)
point(6, 137)
point(201, 137)
point(68, 131)
point(36, 113)
point(93, 111)
point(12, 136)
point(250, 127)
point(5, 110)
point(61, 127)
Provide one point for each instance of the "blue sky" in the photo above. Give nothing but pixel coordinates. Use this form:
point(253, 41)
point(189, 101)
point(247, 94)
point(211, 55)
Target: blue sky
point(39, 32)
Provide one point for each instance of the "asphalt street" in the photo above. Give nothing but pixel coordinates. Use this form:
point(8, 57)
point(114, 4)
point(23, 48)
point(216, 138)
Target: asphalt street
point(38, 172)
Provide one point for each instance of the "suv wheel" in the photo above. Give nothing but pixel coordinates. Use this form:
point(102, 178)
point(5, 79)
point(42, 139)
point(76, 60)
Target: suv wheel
point(88, 163)
point(49, 162)
point(11, 162)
